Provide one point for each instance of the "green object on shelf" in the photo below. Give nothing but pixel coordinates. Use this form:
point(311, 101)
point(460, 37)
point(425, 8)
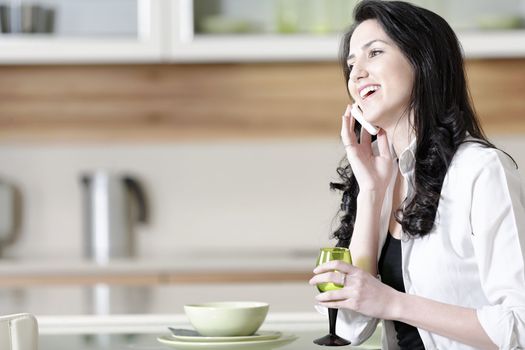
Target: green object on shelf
point(499, 22)
point(288, 16)
point(313, 16)
point(225, 25)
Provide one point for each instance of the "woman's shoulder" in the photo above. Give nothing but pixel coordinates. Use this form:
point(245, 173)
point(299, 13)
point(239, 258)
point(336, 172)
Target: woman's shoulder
point(475, 155)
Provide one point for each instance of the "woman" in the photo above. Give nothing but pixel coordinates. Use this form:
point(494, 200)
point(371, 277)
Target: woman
point(432, 207)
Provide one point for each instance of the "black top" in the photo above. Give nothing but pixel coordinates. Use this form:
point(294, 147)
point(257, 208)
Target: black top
point(392, 274)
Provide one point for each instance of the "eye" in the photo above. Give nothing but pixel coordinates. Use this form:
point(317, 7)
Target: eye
point(350, 66)
point(374, 53)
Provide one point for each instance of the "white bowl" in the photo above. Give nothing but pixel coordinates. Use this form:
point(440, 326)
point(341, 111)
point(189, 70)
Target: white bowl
point(225, 319)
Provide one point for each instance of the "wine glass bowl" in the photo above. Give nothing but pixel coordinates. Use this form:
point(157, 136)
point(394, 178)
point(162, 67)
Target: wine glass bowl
point(329, 254)
point(325, 255)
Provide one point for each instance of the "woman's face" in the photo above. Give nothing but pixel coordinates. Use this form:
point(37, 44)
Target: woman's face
point(381, 77)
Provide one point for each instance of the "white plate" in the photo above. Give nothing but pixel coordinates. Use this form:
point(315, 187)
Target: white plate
point(192, 336)
point(235, 345)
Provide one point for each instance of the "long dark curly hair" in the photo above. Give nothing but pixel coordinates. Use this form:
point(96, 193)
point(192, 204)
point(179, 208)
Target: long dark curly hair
point(441, 105)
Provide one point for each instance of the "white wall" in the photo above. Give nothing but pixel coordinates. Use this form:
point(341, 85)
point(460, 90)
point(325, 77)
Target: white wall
point(260, 195)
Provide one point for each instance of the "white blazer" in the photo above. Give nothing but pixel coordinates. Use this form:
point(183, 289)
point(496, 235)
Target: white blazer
point(473, 257)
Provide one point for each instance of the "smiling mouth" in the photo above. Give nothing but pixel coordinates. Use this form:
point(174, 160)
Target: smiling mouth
point(368, 91)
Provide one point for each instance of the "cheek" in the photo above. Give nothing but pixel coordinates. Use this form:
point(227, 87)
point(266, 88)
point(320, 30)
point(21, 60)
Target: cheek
point(351, 89)
point(403, 81)
point(405, 78)
point(406, 91)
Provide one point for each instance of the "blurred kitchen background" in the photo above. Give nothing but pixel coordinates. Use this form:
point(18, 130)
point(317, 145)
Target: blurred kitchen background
point(158, 152)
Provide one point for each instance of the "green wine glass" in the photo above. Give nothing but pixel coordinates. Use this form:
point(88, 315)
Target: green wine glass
point(325, 255)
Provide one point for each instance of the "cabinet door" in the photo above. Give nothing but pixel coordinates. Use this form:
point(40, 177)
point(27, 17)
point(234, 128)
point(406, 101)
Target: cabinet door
point(485, 28)
point(77, 31)
point(254, 30)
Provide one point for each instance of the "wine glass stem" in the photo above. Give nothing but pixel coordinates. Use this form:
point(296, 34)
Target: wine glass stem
point(332, 318)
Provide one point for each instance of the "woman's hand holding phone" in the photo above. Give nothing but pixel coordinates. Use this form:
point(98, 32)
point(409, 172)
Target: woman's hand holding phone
point(372, 171)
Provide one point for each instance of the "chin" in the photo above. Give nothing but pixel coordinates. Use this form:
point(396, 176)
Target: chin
point(373, 118)
point(379, 118)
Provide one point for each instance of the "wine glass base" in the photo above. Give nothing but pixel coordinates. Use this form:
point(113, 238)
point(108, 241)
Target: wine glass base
point(331, 340)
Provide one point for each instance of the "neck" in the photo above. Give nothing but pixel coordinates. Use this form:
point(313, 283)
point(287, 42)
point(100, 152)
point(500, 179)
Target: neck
point(401, 133)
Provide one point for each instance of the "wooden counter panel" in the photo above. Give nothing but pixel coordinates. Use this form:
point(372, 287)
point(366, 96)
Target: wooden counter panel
point(172, 102)
point(497, 89)
point(169, 101)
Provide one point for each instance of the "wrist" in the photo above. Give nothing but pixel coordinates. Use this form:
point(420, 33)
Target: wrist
point(396, 302)
point(370, 197)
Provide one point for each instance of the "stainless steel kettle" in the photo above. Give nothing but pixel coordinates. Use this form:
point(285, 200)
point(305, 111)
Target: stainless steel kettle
point(113, 203)
point(10, 214)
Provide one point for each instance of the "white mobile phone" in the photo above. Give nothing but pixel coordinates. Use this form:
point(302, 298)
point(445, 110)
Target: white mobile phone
point(358, 115)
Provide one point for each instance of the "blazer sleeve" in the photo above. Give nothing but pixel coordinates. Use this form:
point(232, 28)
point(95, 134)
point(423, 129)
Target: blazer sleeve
point(498, 236)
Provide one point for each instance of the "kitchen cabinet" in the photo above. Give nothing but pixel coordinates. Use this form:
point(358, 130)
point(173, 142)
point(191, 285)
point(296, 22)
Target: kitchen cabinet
point(250, 30)
point(81, 31)
point(156, 31)
point(165, 103)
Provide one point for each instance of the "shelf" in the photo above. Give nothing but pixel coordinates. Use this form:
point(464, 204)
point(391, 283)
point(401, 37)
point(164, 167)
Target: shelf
point(57, 51)
point(215, 269)
point(215, 49)
point(246, 48)
point(493, 44)
point(184, 277)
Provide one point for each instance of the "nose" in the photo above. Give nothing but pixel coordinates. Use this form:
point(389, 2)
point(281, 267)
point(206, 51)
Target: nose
point(357, 73)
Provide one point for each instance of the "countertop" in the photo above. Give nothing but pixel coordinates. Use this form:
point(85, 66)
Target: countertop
point(141, 331)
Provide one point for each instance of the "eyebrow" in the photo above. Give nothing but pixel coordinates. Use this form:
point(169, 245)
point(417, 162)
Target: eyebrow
point(366, 46)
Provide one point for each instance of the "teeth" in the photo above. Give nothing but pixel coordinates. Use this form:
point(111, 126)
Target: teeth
point(367, 89)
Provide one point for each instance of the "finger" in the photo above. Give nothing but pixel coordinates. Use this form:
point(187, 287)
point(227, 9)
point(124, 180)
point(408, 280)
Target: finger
point(345, 137)
point(351, 133)
point(331, 276)
point(335, 295)
point(338, 265)
point(366, 139)
point(347, 133)
point(348, 110)
point(333, 304)
point(382, 143)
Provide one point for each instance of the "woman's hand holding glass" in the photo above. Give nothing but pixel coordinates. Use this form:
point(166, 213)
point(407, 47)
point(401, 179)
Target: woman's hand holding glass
point(361, 291)
point(372, 172)
point(325, 255)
